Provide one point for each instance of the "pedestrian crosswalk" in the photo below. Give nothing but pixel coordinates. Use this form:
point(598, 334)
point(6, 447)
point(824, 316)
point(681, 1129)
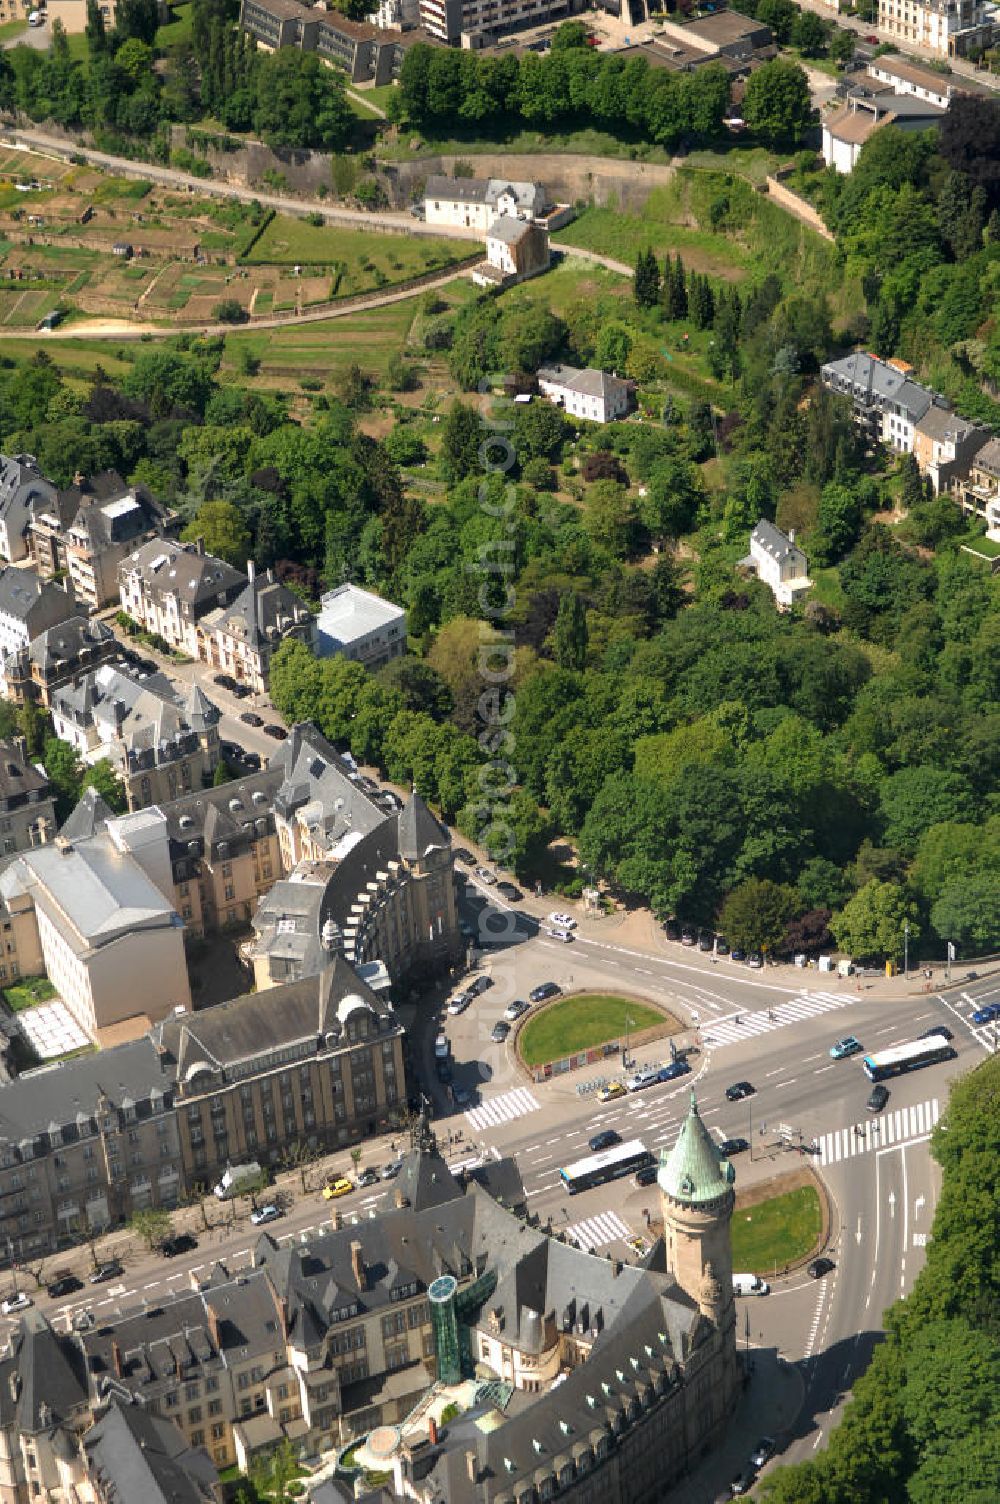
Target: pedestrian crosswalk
point(594, 1232)
point(900, 1126)
point(502, 1109)
point(738, 1028)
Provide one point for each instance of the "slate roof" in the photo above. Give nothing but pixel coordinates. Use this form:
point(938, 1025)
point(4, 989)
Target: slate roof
point(135, 1456)
point(21, 590)
point(168, 568)
point(589, 382)
point(65, 1095)
point(90, 815)
point(22, 483)
point(51, 1376)
point(774, 541)
point(66, 642)
point(694, 1171)
point(262, 609)
point(988, 458)
point(18, 774)
point(419, 831)
point(510, 230)
point(943, 424)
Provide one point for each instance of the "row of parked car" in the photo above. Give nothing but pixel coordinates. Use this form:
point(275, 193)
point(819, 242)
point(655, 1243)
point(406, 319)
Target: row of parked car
point(709, 942)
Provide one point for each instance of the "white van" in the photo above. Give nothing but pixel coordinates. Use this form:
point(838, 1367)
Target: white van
point(35, 18)
point(750, 1284)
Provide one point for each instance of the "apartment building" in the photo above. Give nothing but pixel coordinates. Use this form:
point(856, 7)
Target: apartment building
point(27, 805)
point(224, 851)
point(360, 625)
point(22, 487)
point(366, 53)
point(89, 528)
point(129, 1453)
point(28, 607)
point(979, 492)
point(161, 745)
point(946, 28)
point(479, 23)
point(56, 657)
point(83, 1145)
point(944, 446)
point(887, 403)
point(242, 637)
point(111, 941)
point(169, 588)
point(589, 393)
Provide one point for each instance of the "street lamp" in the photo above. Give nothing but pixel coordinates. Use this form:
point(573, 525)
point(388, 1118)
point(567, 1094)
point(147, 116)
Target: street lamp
point(906, 950)
point(625, 1057)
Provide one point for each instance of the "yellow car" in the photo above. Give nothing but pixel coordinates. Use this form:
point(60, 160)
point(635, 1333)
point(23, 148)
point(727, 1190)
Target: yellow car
point(612, 1092)
point(337, 1188)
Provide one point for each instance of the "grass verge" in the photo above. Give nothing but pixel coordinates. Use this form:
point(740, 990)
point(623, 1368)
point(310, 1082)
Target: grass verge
point(580, 1023)
point(770, 1235)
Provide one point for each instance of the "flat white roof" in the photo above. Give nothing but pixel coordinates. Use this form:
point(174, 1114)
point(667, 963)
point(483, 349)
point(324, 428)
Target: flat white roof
point(349, 613)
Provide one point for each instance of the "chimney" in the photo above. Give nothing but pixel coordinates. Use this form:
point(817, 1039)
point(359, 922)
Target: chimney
point(251, 570)
point(358, 1265)
point(432, 1431)
point(791, 535)
point(472, 1467)
point(116, 1359)
point(199, 546)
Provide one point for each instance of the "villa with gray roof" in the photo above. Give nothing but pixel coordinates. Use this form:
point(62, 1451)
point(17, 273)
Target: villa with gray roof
point(22, 487)
point(516, 249)
point(944, 446)
point(56, 656)
point(587, 393)
point(776, 559)
point(474, 203)
point(979, 493)
point(169, 588)
point(28, 607)
point(242, 637)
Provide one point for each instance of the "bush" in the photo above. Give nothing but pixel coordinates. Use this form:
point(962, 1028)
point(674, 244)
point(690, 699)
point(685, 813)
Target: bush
point(230, 311)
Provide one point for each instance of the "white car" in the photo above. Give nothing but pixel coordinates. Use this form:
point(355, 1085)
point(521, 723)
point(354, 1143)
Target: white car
point(459, 1002)
point(562, 921)
point(564, 935)
point(485, 875)
point(648, 1076)
point(263, 1214)
point(15, 1303)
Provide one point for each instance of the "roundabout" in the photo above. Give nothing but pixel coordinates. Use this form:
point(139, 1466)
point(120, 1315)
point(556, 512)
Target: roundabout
point(572, 1025)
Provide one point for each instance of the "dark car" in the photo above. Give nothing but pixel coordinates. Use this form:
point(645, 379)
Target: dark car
point(706, 941)
point(508, 891)
point(647, 1175)
point(66, 1284)
point(721, 946)
point(731, 1146)
point(743, 1483)
point(737, 954)
point(672, 929)
point(738, 1091)
point(465, 857)
point(500, 1031)
point(181, 1242)
point(111, 1269)
point(688, 935)
point(251, 718)
point(819, 1267)
point(940, 1029)
point(480, 984)
point(367, 1178)
point(673, 1070)
point(232, 751)
point(878, 1098)
point(987, 1014)
point(224, 681)
point(605, 1140)
point(543, 991)
point(445, 1074)
point(278, 732)
point(241, 691)
point(763, 1451)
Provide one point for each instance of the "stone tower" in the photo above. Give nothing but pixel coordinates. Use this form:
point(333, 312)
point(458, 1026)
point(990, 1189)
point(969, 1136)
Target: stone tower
point(697, 1197)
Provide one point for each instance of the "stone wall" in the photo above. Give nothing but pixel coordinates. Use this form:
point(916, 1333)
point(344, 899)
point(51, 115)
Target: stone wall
point(800, 207)
point(603, 181)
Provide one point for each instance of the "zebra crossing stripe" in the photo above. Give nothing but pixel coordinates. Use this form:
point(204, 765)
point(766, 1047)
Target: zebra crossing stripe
point(594, 1231)
point(502, 1109)
point(897, 1127)
point(807, 1005)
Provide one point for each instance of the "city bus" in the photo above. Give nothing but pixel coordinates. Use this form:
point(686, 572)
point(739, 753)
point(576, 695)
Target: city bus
point(907, 1057)
point(610, 1164)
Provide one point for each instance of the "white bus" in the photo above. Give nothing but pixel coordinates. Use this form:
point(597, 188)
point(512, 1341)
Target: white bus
point(907, 1057)
point(610, 1164)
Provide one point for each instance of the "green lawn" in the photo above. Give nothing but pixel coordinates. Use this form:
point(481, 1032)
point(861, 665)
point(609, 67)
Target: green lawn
point(579, 1023)
point(178, 28)
point(590, 143)
point(369, 259)
point(11, 29)
point(28, 992)
point(775, 1233)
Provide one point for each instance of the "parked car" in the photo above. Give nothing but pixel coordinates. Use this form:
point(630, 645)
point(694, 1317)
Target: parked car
point(515, 1010)
point(261, 1215)
point(763, 1451)
point(224, 681)
point(178, 1242)
point(672, 929)
point(82, 1321)
point(565, 936)
point(463, 856)
point(987, 1014)
point(731, 1146)
point(739, 1090)
point(459, 1002)
point(562, 921)
point(941, 1029)
point(612, 1091)
point(721, 945)
point(647, 1175)
point(64, 1284)
point(544, 991)
point(755, 960)
point(647, 1076)
point(510, 892)
point(442, 1047)
point(877, 1099)
point(674, 1069)
point(819, 1267)
point(706, 942)
point(480, 984)
point(737, 954)
point(19, 1301)
point(110, 1269)
point(251, 718)
point(339, 1187)
point(486, 876)
point(241, 691)
point(366, 1179)
point(278, 732)
point(500, 1031)
point(743, 1482)
point(392, 1169)
point(604, 1140)
point(844, 1047)
point(688, 935)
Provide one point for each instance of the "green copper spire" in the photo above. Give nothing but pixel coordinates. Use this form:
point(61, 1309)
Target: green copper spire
point(694, 1171)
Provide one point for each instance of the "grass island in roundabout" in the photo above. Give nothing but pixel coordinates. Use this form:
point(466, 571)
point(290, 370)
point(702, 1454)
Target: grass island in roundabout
point(584, 1021)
